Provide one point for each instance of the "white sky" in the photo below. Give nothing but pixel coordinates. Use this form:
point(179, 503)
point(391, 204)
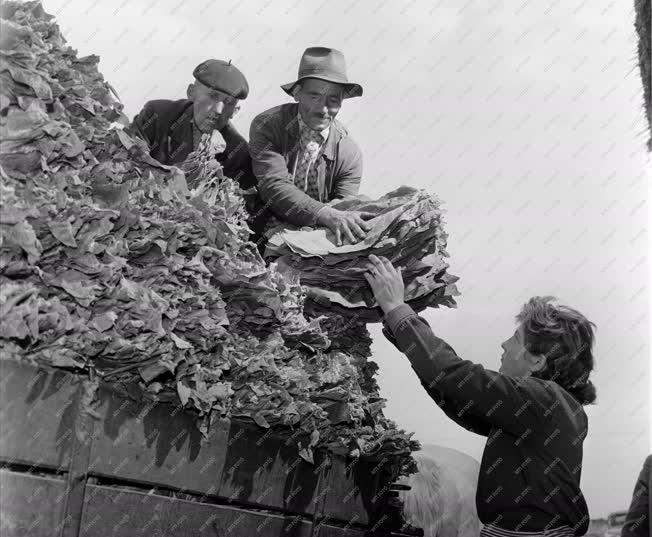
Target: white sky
point(524, 117)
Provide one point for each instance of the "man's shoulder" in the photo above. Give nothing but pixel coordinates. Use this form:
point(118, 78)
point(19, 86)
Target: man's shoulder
point(276, 113)
point(346, 143)
point(166, 110)
point(167, 104)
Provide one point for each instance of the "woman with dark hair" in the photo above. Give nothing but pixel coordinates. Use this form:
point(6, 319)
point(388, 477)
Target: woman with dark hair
point(531, 410)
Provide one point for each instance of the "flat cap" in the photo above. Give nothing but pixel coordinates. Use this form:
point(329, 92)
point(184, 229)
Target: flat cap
point(223, 76)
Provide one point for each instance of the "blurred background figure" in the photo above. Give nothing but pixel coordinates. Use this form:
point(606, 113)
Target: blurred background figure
point(637, 523)
point(442, 495)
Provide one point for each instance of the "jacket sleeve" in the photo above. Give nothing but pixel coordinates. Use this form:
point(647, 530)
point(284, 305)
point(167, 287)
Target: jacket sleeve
point(145, 125)
point(637, 523)
point(275, 183)
point(237, 163)
point(502, 401)
point(347, 183)
point(453, 409)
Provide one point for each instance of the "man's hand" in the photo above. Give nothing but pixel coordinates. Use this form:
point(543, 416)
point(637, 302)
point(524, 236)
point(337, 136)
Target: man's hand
point(349, 225)
point(386, 283)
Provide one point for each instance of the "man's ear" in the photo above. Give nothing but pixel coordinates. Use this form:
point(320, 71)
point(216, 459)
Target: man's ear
point(190, 91)
point(295, 92)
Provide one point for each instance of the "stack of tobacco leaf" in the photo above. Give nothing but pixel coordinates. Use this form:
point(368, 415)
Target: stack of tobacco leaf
point(112, 266)
point(407, 229)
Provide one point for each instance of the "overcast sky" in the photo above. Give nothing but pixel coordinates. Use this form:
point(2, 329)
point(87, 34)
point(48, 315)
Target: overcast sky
point(524, 117)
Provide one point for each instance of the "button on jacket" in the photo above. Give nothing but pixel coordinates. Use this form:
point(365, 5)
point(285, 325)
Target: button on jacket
point(274, 142)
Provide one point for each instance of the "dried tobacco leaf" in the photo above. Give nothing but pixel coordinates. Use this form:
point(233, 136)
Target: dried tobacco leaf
point(116, 265)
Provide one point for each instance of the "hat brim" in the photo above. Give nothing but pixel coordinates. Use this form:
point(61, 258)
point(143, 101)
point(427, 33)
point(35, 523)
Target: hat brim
point(350, 89)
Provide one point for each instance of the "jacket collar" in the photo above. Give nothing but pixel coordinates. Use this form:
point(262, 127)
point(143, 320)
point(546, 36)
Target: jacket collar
point(330, 146)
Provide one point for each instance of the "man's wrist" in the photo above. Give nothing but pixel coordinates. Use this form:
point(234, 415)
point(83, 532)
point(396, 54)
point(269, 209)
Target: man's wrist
point(391, 306)
point(322, 215)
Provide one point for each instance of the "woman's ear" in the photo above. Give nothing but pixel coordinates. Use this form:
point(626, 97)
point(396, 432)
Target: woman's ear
point(538, 362)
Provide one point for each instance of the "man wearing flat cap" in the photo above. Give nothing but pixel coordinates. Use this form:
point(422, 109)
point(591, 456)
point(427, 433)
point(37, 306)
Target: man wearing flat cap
point(303, 157)
point(173, 129)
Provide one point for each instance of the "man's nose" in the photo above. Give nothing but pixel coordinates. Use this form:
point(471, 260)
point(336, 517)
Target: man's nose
point(219, 107)
point(323, 108)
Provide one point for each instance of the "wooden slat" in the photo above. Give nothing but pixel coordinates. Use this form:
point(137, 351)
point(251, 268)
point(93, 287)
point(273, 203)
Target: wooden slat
point(326, 530)
point(77, 478)
point(262, 468)
point(361, 492)
point(111, 512)
point(37, 412)
point(30, 506)
point(156, 444)
point(350, 491)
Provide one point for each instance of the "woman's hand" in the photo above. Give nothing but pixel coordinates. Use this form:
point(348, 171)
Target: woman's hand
point(386, 283)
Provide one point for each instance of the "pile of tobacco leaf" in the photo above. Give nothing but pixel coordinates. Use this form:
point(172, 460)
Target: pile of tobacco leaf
point(407, 229)
point(113, 267)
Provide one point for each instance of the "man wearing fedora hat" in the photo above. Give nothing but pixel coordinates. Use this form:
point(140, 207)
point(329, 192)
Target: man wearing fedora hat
point(303, 157)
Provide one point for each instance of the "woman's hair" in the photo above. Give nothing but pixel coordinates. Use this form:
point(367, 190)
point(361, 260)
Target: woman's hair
point(565, 337)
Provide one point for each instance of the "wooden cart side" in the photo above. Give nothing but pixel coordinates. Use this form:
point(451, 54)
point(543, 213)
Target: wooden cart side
point(38, 410)
point(143, 446)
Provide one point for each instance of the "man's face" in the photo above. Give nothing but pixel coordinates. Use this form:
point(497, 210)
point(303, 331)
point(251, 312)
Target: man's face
point(516, 361)
point(319, 102)
point(212, 109)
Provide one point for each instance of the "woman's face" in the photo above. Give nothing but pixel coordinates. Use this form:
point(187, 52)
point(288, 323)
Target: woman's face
point(516, 361)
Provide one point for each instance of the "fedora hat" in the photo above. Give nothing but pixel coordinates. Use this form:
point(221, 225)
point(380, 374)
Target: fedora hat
point(325, 64)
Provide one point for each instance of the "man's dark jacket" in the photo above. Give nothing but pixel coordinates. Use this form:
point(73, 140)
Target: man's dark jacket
point(167, 128)
point(274, 139)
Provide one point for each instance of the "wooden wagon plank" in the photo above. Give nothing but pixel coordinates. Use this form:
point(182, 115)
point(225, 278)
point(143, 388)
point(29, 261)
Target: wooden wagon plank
point(157, 444)
point(30, 506)
point(38, 409)
point(326, 530)
point(350, 491)
point(111, 512)
point(263, 468)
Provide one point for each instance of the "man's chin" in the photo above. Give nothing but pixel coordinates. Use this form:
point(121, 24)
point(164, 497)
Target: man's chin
point(320, 125)
point(210, 126)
